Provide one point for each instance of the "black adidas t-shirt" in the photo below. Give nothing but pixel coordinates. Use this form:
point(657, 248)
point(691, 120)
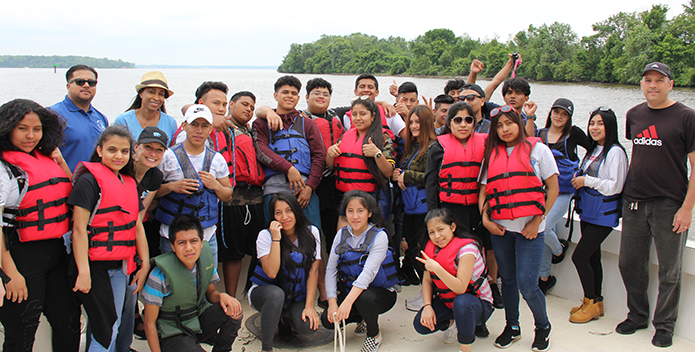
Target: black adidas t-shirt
point(661, 141)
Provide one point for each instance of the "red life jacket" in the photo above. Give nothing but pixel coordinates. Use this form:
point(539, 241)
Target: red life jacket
point(513, 190)
point(350, 167)
point(244, 156)
point(446, 257)
point(458, 173)
point(384, 123)
point(111, 229)
point(42, 213)
point(330, 127)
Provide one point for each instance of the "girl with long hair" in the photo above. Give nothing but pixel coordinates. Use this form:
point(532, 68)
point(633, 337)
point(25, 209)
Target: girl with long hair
point(562, 137)
point(284, 281)
point(455, 284)
point(34, 184)
point(107, 234)
point(360, 272)
point(518, 184)
point(599, 185)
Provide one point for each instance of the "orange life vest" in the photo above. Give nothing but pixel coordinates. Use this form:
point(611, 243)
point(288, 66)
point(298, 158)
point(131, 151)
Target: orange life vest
point(350, 167)
point(458, 173)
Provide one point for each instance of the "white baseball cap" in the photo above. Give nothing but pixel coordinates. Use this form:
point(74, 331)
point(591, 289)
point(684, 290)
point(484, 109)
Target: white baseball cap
point(198, 111)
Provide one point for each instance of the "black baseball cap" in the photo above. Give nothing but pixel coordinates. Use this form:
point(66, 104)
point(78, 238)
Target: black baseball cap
point(474, 87)
point(565, 104)
point(153, 134)
point(658, 67)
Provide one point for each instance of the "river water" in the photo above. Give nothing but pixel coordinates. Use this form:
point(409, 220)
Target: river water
point(116, 89)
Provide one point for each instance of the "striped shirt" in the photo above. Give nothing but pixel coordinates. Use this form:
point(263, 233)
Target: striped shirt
point(478, 268)
point(157, 286)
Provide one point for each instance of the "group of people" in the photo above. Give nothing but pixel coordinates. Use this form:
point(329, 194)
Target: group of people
point(466, 191)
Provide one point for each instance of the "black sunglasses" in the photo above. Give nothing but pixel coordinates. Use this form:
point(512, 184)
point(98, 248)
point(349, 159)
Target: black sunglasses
point(469, 97)
point(81, 81)
point(458, 119)
point(601, 109)
point(502, 109)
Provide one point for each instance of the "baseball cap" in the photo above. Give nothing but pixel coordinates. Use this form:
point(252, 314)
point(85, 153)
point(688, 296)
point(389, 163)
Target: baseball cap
point(658, 67)
point(474, 87)
point(565, 104)
point(153, 134)
point(198, 111)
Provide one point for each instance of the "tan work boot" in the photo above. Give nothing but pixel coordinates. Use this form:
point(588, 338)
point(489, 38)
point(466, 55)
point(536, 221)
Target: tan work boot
point(588, 312)
point(600, 307)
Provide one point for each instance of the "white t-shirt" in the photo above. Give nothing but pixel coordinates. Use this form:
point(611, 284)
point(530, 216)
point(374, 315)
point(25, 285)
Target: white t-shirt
point(172, 172)
point(265, 241)
point(544, 166)
point(396, 123)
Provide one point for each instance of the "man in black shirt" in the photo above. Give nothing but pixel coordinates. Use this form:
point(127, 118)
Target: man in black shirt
point(658, 202)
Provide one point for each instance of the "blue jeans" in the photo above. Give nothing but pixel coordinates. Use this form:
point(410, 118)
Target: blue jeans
point(165, 246)
point(125, 330)
point(384, 203)
point(119, 281)
point(519, 262)
point(312, 210)
point(469, 311)
point(644, 222)
point(552, 244)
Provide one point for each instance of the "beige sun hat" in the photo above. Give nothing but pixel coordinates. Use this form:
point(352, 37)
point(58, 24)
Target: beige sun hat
point(153, 79)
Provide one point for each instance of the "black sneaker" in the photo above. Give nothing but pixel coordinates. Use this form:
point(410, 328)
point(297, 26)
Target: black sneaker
point(559, 258)
point(628, 327)
point(508, 336)
point(662, 338)
point(482, 331)
point(547, 285)
point(497, 301)
point(542, 340)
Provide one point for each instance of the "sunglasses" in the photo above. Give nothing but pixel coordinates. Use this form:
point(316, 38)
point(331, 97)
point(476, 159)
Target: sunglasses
point(502, 109)
point(81, 81)
point(600, 109)
point(469, 97)
point(458, 119)
point(363, 97)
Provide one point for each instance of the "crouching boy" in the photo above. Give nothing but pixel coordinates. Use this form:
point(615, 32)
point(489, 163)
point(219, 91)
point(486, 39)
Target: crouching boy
point(182, 306)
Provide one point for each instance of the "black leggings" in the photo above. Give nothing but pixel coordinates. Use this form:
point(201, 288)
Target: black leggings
point(372, 302)
point(414, 234)
point(587, 258)
point(269, 300)
point(44, 266)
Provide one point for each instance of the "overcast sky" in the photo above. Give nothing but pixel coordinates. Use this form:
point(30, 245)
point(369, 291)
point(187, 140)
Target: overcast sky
point(259, 33)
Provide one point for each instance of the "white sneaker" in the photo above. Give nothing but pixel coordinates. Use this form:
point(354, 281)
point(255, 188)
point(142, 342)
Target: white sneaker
point(371, 344)
point(451, 334)
point(414, 304)
point(361, 329)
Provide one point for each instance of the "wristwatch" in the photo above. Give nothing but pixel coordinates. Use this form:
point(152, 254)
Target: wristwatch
point(378, 155)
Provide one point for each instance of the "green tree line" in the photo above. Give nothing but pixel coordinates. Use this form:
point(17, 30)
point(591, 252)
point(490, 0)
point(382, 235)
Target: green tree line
point(61, 61)
point(615, 53)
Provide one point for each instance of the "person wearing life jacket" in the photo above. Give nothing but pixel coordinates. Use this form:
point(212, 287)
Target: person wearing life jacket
point(242, 217)
point(285, 278)
point(107, 234)
point(455, 285)
point(364, 158)
point(360, 272)
point(367, 85)
point(562, 137)
point(212, 94)
point(182, 306)
point(451, 180)
point(410, 178)
point(518, 184)
point(195, 180)
point(599, 185)
point(34, 187)
point(294, 155)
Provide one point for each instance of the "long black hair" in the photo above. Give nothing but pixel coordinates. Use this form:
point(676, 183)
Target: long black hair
point(376, 133)
point(446, 217)
point(610, 124)
point(118, 131)
point(368, 202)
point(306, 242)
point(14, 111)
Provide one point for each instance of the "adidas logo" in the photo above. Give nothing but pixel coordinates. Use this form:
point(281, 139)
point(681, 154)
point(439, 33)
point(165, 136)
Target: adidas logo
point(648, 137)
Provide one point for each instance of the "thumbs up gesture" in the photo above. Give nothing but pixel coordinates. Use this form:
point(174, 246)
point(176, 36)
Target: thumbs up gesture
point(334, 150)
point(370, 149)
point(393, 89)
point(401, 109)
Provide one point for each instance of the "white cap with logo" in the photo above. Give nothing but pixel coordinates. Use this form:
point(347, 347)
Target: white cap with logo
point(198, 111)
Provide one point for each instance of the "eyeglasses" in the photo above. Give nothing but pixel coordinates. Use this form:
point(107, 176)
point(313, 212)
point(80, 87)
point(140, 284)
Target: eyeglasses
point(601, 109)
point(317, 93)
point(469, 97)
point(458, 119)
point(81, 81)
point(502, 109)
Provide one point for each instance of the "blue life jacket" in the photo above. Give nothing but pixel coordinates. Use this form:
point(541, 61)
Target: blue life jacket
point(414, 196)
point(203, 204)
point(351, 262)
point(292, 281)
point(292, 145)
point(565, 165)
point(592, 206)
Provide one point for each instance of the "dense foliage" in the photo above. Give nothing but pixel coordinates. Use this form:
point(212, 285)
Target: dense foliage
point(61, 61)
point(617, 52)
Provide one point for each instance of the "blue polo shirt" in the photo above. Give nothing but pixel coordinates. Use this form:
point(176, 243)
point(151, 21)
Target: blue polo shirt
point(82, 130)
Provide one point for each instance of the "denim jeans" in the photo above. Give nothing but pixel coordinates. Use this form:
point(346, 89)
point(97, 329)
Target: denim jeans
point(642, 222)
point(518, 262)
point(119, 281)
point(165, 246)
point(125, 330)
point(312, 210)
point(552, 244)
point(468, 311)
